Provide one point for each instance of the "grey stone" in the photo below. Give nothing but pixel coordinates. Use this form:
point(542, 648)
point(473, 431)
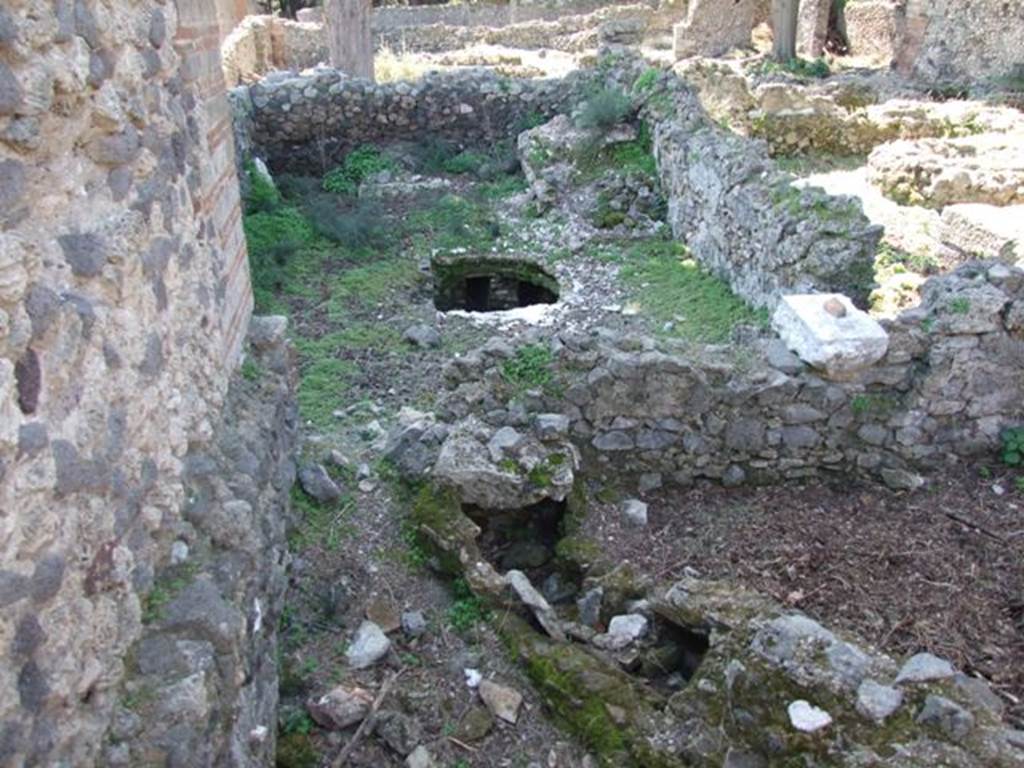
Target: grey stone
point(534, 600)
point(422, 336)
point(340, 707)
point(745, 435)
point(153, 357)
point(801, 413)
point(11, 95)
point(85, 24)
point(502, 701)
point(557, 589)
point(502, 441)
point(946, 715)
point(12, 172)
point(649, 481)
point(13, 587)
point(267, 331)
point(32, 438)
point(414, 623)
point(552, 425)
point(420, 758)
point(622, 631)
point(32, 687)
point(202, 613)
point(589, 606)
point(734, 476)
point(75, 474)
point(414, 443)
point(84, 253)
point(634, 512)
point(612, 441)
point(115, 149)
point(28, 636)
point(157, 28)
point(878, 701)
point(873, 434)
point(8, 28)
point(318, 484)
point(47, 576)
point(101, 67)
point(369, 646)
point(23, 133)
point(901, 479)
point(800, 437)
point(924, 668)
point(42, 306)
point(979, 693)
point(399, 731)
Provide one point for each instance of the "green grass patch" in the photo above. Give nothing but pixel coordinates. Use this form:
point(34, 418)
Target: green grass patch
point(529, 368)
point(319, 525)
point(669, 287)
point(361, 162)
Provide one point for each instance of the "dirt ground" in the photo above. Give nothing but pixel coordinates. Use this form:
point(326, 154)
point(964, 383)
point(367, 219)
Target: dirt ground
point(940, 569)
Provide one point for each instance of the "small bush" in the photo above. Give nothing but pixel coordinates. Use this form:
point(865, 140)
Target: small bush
point(798, 67)
point(354, 228)
point(468, 610)
point(529, 367)
point(1013, 446)
point(358, 164)
point(604, 110)
point(647, 81)
point(465, 162)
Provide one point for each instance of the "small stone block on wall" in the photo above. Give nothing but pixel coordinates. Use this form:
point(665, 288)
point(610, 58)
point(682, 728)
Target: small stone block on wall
point(829, 333)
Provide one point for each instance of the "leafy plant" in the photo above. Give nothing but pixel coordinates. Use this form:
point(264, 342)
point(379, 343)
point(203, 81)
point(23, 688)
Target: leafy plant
point(465, 162)
point(358, 164)
point(799, 67)
point(604, 110)
point(960, 306)
point(353, 227)
point(647, 81)
point(1013, 446)
point(468, 610)
point(529, 367)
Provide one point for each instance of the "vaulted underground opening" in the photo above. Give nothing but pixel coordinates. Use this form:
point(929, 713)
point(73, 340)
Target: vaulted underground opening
point(670, 656)
point(526, 540)
point(481, 285)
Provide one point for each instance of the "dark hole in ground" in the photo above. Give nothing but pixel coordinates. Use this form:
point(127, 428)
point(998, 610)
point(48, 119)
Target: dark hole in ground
point(672, 656)
point(525, 540)
point(492, 287)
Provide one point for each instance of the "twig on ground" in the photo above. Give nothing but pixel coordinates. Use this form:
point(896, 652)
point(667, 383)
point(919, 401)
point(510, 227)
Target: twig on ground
point(368, 721)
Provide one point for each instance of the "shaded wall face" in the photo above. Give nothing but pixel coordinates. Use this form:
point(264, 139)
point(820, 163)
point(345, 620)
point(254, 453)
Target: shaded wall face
point(960, 39)
point(124, 297)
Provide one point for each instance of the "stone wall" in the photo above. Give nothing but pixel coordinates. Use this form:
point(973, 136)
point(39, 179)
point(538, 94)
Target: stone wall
point(262, 44)
point(307, 122)
point(951, 380)
point(124, 301)
point(960, 40)
point(202, 685)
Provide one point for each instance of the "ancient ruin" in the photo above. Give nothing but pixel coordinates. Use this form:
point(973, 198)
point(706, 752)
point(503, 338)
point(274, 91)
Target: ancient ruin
point(526, 384)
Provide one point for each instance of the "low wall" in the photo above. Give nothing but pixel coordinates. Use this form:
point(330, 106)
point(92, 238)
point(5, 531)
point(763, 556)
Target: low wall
point(307, 122)
point(952, 379)
point(201, 683)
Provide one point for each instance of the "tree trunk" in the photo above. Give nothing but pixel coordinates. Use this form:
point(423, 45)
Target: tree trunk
point(349, 37)
point(784, 15)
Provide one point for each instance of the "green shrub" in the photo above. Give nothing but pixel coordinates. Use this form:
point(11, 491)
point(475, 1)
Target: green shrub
point(529, 367)
point(604, 110)
point(799, 67)
point(358, 164)
point(1013, 446)
point(468, 610)
point(465, 162)
point(352, 227)
point(647, 81)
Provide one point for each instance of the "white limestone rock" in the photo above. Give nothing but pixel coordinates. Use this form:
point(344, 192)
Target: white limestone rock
point(806, 717)
point(985, 231)
point(839, 342)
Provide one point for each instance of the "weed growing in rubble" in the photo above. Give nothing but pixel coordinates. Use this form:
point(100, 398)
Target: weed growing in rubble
point(604, 110)
point(358, 164)
point(1013, 446)
point(529, 367)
